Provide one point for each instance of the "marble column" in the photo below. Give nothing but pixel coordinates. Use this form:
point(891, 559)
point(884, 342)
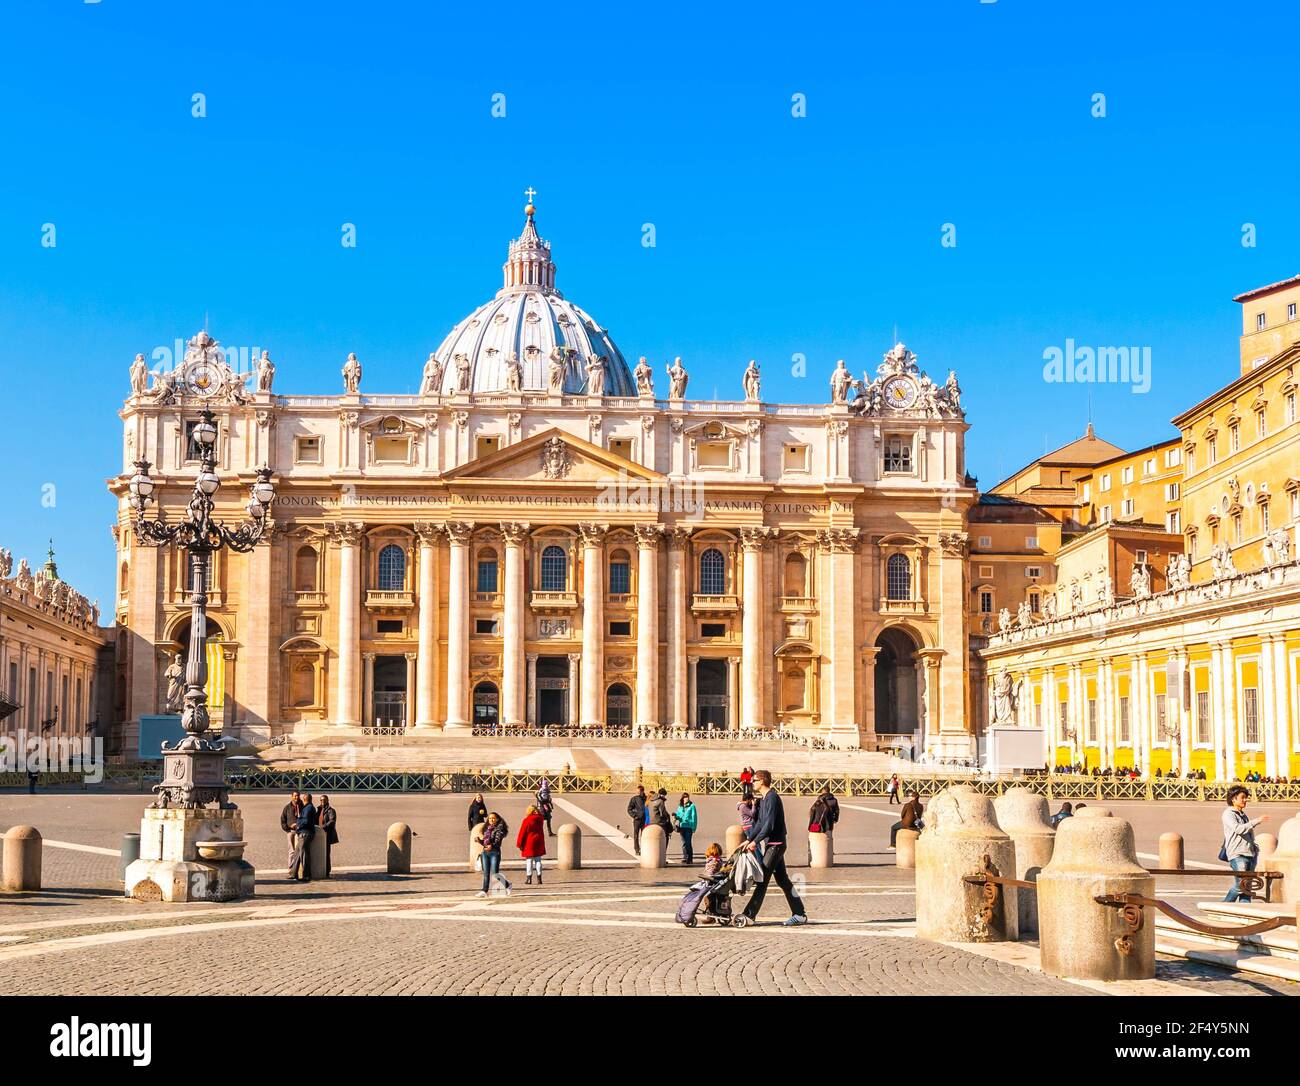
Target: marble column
point(408, 717)
point(692, 712)
point(532, 689)
point(513, 681)
point(592, 714)
point(753, 667)
point(1228, 664)
point(1218, 726)
point(678, 687)
point(425, 705)
point(347, 705)
point(575, 681)
point(647, 626)
point(1281, 723)
point(839, 603)
point(458, 538)
point(368, 715)
point(868, 730)
point(733, 665)
point(1265, 707)
point(258, 695)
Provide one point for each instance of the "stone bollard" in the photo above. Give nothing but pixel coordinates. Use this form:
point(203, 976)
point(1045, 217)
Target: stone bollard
point(130, 851)
point(22, 858)
point(316, 853)
point(1023, 815)
point(569, 847)
point(1094, 855)
point(1267, 846)
point(905, 848)
point(1171, 851)
point(399, 849)
point(735, 838)
point(821, 850)
point(654, 847)
point(1285, 858)
point(960, 832)
point(475, 849)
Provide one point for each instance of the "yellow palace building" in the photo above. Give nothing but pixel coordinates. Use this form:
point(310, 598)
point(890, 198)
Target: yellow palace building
point(1171, 638)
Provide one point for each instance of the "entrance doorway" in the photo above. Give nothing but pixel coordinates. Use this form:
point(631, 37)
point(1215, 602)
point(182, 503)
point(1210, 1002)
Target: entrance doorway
point(487, 702)
point(712, 699)
point(553, 691)
point(896, 684)
point(388, 697)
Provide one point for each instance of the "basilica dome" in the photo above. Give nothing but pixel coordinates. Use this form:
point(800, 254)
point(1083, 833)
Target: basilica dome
point(530, 320)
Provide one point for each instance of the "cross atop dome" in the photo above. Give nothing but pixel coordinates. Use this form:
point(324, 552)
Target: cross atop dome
point(528, 265)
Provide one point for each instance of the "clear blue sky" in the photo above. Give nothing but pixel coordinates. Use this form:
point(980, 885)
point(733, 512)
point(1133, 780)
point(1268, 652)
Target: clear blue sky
point(775, 235)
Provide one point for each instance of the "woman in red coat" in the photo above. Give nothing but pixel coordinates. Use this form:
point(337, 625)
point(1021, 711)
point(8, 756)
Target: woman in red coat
point(532, 843)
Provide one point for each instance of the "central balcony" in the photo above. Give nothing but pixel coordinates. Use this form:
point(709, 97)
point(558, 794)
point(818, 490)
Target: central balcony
point(702, 604)
point(553, 601)
point(383, 599)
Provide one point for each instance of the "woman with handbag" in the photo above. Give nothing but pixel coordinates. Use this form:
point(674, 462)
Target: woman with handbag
point(1239, 851)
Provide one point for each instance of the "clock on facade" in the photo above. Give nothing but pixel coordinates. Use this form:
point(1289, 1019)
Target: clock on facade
point(203, 379)
point(900, 393)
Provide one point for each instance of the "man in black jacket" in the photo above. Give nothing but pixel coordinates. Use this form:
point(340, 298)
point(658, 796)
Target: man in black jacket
point(769, 829)
point(289, 820)
point(636, 812)
point(304, 831)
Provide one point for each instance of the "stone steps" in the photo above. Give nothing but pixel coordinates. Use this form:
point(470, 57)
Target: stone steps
point(1272, 953)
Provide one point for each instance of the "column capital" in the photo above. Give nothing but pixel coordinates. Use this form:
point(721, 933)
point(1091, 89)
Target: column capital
point(459, 532)
point(514, 533)
point(575, 657)
point(346, 533)
point(839, 540)
point(648, 536)
point(755, 537)
point(428, 533)
point(676, 537)
point(593, 535)
point(532, 657)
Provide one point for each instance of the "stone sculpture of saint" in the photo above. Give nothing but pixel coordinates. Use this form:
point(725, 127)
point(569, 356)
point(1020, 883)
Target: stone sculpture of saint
point(175, 676)
point(139, 376)
point(1004, 698)
point(751, 381)
point(595, 375)
point(645, 378)
point(841, 382)
point(677, 378)
point(514, 373)
point(462, 372)
point(265, 372)
point(432, 380)
point(555, 372)
point(1140, 582)
point(352, 375)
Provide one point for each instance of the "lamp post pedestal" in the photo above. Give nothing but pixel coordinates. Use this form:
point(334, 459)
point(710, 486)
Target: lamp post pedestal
point(190, 854)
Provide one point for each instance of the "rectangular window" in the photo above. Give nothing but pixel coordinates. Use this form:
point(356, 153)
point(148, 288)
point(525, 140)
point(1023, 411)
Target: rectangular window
point(1104, 484)
point(795, 458)
point(1263, 517)
point(388, 626)
point(1123, 720)
point(485, 626)
point(1033, 572)
point(1212, 450)
point(1127, 507)
point(1261, 423)
point(1236, 527)
point(1290, 407)
point(1172, 457)
point(1234, 438)
point(620, 629)
point(1250, 716)
point(1173, 523)
point(1092, 720)
point(1087, 492)
point(486, 446)
point(1290, 311)
point(1106, 514)
point(1203, 718)
point(487, 575)
point(620, 578)
point(1031, 542)
point(1149, 466)
point(986, 602)
point(714, 454)
point(307, 450)
point(621, 446)
point(713, 629)
point(1261, 322)
point(986, 542)
point(898, 455)
point(394, 450)
point(1171, 492)
point(1140, 557)
point(1191, 462)
point(1034, 602)
point(1126, 475)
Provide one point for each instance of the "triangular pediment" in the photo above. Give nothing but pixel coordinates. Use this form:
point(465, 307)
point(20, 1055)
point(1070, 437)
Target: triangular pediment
point(553, 457)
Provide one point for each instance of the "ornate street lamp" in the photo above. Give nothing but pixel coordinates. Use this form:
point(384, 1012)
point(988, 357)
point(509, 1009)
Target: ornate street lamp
point(194, 769)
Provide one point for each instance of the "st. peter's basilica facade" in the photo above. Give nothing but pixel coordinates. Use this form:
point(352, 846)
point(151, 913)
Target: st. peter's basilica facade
point(545, 536)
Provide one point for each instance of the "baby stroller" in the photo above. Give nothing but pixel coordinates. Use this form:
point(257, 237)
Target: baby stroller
point(710, 898)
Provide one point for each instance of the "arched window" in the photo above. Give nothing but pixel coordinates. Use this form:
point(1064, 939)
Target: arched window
point(555, 569)
point(898, 577)
point(620, 574)
point(487, 704)
point(618, 705)
point(487, 571)
point(713, 573)
point(796, 575)
point(392, 568)
point(304, 569)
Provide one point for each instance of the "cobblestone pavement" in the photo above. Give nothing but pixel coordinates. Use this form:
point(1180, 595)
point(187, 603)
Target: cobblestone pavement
point(606, 929)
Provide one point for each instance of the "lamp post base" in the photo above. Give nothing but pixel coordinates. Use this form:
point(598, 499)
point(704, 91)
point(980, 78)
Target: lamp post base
point(190, 854)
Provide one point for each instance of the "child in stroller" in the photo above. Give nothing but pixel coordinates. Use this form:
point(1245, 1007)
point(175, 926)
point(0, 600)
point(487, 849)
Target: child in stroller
point(710, 898)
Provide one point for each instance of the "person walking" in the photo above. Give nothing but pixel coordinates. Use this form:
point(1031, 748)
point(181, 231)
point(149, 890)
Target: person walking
point(893, 789)
point(687, 819)
point(289, 822)
point(304, 831)
point(909, 818)
point(478, 811)
point(1066, 811)
point(492, 833)
point(636, 808)
point(545, 805)
point(531, 844)
point(1239, 847)
point(327, 818)
point(769, 830)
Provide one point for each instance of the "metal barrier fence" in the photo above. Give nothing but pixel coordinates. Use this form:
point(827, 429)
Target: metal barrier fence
point(142, 777)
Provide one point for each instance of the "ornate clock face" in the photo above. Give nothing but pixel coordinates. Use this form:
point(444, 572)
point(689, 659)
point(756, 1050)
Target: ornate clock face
point(900, 393)
point(202, 379)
